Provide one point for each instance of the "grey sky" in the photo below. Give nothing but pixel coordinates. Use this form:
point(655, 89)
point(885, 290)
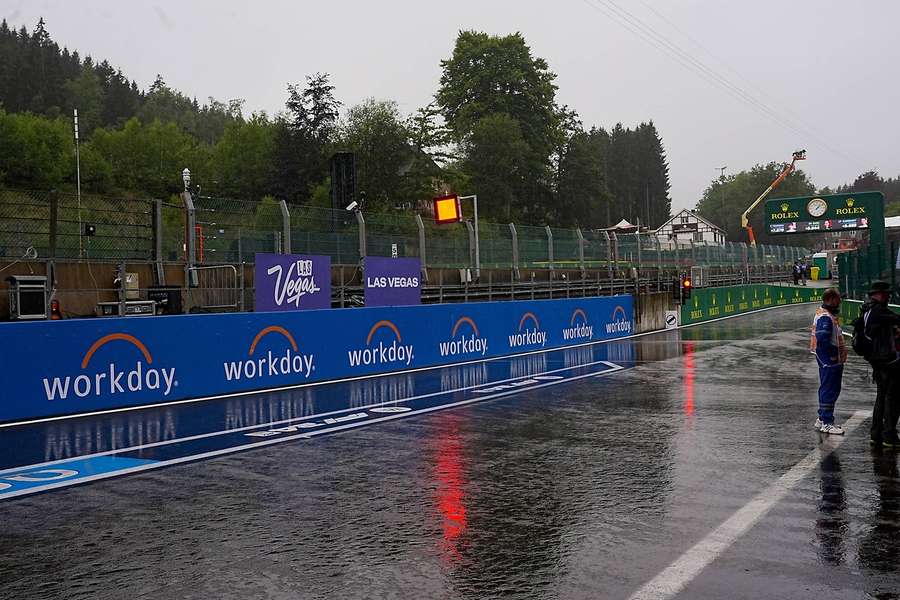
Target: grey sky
point(828, 67)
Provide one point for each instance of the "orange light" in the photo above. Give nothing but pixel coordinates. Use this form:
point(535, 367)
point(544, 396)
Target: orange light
point(446, 210)
point(686, 283)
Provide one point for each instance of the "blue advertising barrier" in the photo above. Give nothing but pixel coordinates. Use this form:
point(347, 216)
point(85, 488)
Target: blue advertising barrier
point(77, 366)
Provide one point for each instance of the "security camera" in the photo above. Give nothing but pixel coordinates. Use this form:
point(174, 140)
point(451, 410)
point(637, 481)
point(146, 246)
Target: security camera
point(352, 206)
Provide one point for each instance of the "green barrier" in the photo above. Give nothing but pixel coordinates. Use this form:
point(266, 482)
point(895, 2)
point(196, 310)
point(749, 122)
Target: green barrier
point(850, 310)
point(715, 303)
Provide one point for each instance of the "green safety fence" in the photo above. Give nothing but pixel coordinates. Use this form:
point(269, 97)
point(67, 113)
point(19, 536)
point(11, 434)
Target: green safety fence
point(714, 303)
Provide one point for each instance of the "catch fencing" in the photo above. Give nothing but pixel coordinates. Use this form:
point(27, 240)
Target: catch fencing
point(228, 231)
point(858, 269)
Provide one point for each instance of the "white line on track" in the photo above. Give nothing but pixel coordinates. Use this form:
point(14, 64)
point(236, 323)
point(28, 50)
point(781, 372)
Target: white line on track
point(614, 368)
point(270, 424)
point(674, 578)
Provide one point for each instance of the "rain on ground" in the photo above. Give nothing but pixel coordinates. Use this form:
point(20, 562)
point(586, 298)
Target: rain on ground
point(593, 482)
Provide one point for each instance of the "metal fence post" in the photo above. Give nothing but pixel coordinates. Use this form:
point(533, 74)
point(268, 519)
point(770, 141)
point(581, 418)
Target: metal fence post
point(581, 264)
point(190, 223)
point(158, 242)
point(658, 263)
point(693, 254)
point(420, 225)
point(609, 255)
point(515, 251)
point(286, 226)
point(615, 247)
point(361, 226)
point(549, 247)
point(471, 243)
point(637, 237)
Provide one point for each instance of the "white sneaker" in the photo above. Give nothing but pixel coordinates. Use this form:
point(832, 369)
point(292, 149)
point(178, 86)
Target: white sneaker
point(831, 428)
point(818, 424)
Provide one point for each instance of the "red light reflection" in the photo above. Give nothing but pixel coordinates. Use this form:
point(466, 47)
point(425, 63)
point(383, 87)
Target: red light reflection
point(689, 379)
point(450, 478)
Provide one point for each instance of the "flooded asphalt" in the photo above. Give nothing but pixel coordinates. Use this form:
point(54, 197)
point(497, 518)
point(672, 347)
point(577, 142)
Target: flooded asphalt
point(582, 490)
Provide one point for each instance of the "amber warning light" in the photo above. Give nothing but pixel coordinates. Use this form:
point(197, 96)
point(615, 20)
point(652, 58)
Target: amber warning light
point(446, 210)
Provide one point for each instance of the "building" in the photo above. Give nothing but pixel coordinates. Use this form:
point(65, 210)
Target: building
point(688, 226)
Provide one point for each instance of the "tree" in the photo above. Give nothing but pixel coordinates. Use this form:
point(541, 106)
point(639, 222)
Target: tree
point(86, 94)
point(37, 152)
point(496, 157)
point(584, 199)
point(241, 161)
point(488, 76)
point(638, 175)
point(871, 181)
point(150, 157)
point(375, 132)
point(302, 138)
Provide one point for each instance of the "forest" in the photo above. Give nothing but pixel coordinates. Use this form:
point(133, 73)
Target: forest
point(494, 127)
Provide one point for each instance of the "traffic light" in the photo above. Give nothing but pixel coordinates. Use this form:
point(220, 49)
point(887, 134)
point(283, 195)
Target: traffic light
point(676, 291)
point(686, 287)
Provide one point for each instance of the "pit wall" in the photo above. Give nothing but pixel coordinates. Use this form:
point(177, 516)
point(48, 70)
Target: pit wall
point(82, 365)
point(706, 304)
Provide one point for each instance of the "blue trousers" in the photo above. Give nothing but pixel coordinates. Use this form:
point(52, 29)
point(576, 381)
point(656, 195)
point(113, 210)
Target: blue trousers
point(829, 390)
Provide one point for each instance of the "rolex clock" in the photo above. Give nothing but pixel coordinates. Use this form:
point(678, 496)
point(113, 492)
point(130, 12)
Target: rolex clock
point(817, 207)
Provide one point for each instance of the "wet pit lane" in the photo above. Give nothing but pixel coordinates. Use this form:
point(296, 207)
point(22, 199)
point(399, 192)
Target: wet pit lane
point(613, 463)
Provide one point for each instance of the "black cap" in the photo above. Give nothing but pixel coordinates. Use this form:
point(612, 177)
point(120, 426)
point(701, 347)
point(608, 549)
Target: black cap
point(880, 286)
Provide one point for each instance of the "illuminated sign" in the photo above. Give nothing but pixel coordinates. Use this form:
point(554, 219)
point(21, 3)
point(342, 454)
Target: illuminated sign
point(446, 210)
point(835, 212)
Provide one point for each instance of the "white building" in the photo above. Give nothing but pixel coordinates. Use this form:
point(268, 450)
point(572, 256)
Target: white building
point(687, 226)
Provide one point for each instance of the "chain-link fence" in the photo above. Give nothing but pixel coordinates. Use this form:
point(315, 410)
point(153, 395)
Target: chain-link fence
point(858, 269)
point(70, 226)
point(231, 231)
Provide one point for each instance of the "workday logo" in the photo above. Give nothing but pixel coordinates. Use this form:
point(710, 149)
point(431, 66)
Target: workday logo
point(271, 362)
point(620, 322)
point(378, 351)
point(112, 379)
point(528, 336)
point(468, 342)
point(578, 328)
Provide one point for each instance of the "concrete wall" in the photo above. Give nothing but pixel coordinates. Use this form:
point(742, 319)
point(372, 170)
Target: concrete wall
point(650, 311)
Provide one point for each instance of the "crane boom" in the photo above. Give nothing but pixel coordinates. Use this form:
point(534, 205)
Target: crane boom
point(785, 171)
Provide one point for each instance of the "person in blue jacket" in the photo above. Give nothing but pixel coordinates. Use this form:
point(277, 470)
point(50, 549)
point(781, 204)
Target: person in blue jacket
point(827, 343)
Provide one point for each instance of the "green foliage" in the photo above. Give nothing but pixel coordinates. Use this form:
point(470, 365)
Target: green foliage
point(490, 75)
point(302, 139)
point(488, 83)
point(494, 128)
point(268, 215)
point(376, 133)
point(39, 77)
point(149, 157)
point(871, 181)
point(496, 160)
point(37, 152)
point(241, 164)
point(584, 198)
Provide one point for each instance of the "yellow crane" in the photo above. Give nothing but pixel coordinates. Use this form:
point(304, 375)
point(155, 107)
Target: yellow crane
point(785, 171)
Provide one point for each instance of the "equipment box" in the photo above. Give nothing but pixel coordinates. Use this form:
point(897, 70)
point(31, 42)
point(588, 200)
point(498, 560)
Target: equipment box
point(27, 297)
point(132, 308)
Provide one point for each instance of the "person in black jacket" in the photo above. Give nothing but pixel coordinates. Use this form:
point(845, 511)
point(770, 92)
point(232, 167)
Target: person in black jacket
point(882, 327)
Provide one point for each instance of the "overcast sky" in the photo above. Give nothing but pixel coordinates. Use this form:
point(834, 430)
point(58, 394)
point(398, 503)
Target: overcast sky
point(826, 68)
